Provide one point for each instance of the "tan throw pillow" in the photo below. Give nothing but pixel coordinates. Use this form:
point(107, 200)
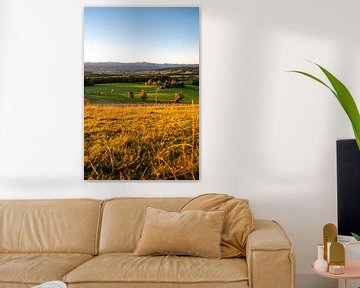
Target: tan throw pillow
point(196, 233)
point(239, 220)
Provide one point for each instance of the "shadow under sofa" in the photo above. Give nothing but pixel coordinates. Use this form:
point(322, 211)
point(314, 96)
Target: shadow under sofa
point(90, 243)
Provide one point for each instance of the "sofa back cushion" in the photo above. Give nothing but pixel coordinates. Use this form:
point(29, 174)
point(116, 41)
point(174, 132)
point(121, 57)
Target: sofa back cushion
point(67, 226)
point(238, 224)
point(123, 220)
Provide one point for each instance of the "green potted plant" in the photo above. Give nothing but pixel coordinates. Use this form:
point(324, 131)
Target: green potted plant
point(345, 99)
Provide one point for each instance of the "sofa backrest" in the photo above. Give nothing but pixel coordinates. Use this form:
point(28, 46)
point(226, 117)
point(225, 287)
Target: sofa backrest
point(123, 220)
point(68, 226)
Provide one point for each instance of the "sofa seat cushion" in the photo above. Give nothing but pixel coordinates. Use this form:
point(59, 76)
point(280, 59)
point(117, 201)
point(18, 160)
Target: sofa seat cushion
point(36, 268)
point(125, 267)
point(242, 284)
point(15, 285)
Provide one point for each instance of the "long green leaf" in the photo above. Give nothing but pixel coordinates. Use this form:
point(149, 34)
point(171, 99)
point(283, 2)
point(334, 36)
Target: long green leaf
point(344, 97)
point(316, 79)
point(357, 237)
point(347, 102)
point(357, 137)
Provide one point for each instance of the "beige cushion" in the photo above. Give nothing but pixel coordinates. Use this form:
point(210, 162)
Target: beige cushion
point(239, 220)
point(193, 232)
point(123, 220)
point(36, 268)
point(125, 268)
point(15, 285)
point(63, 226)
point(237, 284)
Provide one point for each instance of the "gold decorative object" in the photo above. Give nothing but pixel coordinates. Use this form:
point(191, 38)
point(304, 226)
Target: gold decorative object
point(337, 253)
point(330, 236)
point(337, 258)
point(336, 269)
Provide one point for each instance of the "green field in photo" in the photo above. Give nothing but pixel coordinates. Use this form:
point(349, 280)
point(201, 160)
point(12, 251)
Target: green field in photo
point(117, 93)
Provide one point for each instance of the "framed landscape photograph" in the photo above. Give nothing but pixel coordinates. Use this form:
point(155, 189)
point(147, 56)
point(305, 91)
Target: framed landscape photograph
point(141, 93)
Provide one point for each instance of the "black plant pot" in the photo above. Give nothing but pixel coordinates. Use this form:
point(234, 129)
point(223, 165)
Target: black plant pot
point(348, 187)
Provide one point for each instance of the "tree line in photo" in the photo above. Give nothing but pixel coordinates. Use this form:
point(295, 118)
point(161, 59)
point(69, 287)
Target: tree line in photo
point(162, 81)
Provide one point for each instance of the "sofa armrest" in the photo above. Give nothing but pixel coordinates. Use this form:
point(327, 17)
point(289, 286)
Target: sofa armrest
point(269, 256)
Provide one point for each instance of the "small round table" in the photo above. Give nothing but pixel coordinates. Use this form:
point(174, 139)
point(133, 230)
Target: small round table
point(352, 269)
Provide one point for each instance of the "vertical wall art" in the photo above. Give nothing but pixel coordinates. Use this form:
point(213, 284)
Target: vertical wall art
point(141, 93)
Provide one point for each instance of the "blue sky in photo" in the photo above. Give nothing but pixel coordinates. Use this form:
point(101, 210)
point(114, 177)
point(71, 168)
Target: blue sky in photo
point(141, 34)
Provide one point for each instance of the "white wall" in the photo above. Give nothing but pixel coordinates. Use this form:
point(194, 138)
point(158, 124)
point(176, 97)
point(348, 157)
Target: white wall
point(266, 135)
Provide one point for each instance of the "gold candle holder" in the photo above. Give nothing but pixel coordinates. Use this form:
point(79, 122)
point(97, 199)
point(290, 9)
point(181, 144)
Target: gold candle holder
point(337, 258)
point(329, 237)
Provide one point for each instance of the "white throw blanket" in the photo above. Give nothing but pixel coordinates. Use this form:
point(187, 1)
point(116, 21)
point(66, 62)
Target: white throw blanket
point(51, 284)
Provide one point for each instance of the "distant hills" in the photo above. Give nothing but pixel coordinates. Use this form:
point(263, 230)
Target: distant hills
point(132, 67)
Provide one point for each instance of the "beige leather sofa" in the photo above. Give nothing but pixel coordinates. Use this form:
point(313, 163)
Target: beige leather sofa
point(89, 243)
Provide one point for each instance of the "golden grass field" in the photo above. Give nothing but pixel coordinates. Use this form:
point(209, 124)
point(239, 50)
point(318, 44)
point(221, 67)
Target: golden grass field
point(141, 142)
